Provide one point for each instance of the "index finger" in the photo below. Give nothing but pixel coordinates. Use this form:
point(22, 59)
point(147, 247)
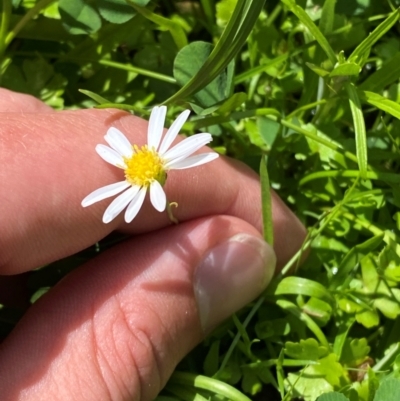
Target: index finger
point(49, 165)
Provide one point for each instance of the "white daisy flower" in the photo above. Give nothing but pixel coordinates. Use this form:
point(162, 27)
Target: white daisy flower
point(146, 167)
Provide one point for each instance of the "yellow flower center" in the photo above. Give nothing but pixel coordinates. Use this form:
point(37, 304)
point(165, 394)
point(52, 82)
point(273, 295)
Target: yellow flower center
point(144, 166)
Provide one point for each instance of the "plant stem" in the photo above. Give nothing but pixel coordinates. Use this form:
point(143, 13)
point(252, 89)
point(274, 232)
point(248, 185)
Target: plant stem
point(40, 5)
point(5, 21)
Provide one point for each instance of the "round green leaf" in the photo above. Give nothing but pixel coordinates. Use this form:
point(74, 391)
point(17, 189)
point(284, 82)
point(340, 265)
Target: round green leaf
point(116, 11)
point(188, 62)
point(78, 17)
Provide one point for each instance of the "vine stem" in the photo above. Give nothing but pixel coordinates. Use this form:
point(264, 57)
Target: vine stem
point(40, 5)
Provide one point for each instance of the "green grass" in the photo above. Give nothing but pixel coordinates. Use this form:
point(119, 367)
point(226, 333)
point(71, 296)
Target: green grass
point(310, 90)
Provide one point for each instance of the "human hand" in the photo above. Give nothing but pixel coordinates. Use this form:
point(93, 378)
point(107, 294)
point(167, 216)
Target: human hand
point(116, 327)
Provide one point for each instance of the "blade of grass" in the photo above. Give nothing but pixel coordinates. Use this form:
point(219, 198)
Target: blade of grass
point(381, 102)
point(207, 383)
point(374, 36)
point(391, 178)
point(314, 30)
point(359, 128)
point(266, 203)
point(40, 5)
point(5, 22)
point(231, 41)
point(389, 73)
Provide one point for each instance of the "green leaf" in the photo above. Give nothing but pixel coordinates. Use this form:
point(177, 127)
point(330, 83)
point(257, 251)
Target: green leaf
point(266, 204)
point(327, 17)
point(97, 98)
point(308, 349)
point(386, 75)
point(176, 30)
point(353, 257)
point(303, 286)
point(318, 70)
point(232, 39)
point(189, 61)
point(207, 383)
point(364, 47)
point(333, 396)
point(345, 69)
point(211, 361)
point(307, 21)
point(355, 351)
point(319, 310)
point(389, 389)
point(381, 102)
point(359, 128)
point(117, 11)
point(78, 17)
point(232, 103)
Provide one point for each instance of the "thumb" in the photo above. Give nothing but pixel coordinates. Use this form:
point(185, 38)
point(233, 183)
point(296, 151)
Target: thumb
point(116, 327)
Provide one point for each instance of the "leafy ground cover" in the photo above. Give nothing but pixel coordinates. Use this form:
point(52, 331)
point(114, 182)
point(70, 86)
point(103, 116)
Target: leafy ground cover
point(310, 89)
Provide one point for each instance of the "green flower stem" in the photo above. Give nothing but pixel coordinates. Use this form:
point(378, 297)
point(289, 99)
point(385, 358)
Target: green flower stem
point(137, 70)
point(39, 6)
point(207, 383)
point(5, 22)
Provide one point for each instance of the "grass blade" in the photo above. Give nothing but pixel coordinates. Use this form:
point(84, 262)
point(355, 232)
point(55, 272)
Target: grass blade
point(232, 39)
point(359, 128)
point(374, 36)
point(381, 102)
point(314, 30)
point(266, 203)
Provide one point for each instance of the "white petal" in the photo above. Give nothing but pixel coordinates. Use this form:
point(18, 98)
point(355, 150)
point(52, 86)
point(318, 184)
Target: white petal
point(119, 142)
point(173, 131)
point(157, 196)
point(187, 147)
point(192, 161)
point(110, 156)
point(135, 205)
point(156, 126)
point(105, 192)
point(119, 203)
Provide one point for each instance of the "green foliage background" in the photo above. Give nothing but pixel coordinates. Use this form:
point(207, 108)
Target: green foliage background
point(310, 88)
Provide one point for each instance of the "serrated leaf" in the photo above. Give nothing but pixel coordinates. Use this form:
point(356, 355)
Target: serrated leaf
point(305, 350)
point(355, 351)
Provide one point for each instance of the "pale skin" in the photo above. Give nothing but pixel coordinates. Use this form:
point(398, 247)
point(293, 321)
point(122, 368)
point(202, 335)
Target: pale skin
point(115, 328)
